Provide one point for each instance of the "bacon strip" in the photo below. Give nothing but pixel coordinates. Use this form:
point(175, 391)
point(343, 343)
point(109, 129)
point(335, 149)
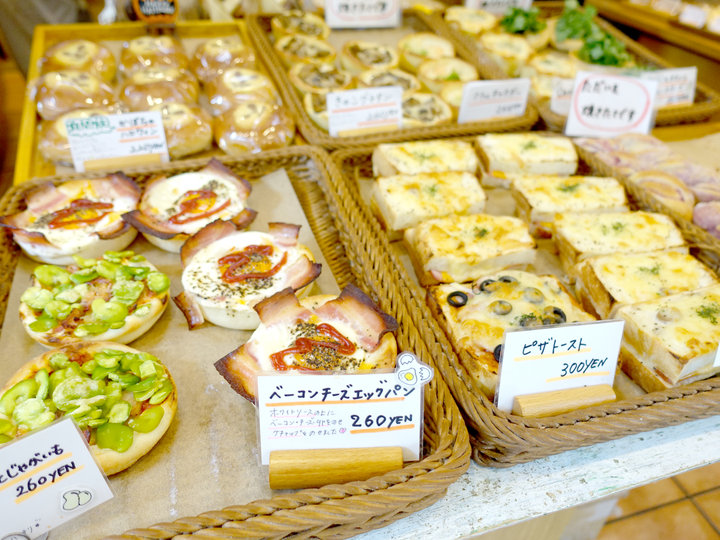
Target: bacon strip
point(281, 307)
point(191, 310)
point(217, 168)
point(150, 225)
point(285, 234)
point(118, 229)
point(244, 218)
point(207, 235)
point(301, 273)
point(240, 370)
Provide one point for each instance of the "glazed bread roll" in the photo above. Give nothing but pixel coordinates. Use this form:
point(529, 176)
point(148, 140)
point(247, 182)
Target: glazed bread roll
point(146, 88)
point(188, 128)
point(152, 51)
point(80, 55)
point(253, 126)
point(60, 92)
point(218, 54)
point(235, 85)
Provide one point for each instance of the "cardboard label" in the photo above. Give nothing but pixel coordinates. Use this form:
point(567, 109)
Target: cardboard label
point(557, 358)
point(363, 13)
point(302, 412)
point(104, 142)
point(47, 478)
point(482, 100)
point(606, 105)
point(562, 90)
point(692, 15)
point(497, 7)
point(367, 110)
point(675, 86)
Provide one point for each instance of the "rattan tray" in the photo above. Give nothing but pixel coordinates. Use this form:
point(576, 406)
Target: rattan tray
point(259, 31)
point(335, 511)
point(500, 439)
point(707, 101)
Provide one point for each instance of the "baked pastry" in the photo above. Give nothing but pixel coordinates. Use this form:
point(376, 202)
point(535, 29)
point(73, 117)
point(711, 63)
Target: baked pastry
point(298, 48)
point(299, 22)
point(76, 217)
point(469, 20)
point(553, 63)
point(671, 340)
point(421, 110)
point(509, 51)
point(667, 189)
point(347, 333)
point(123, 399)
point(80, 55)
point(579, 236)
point(253, 126)
point(60, 92)
point(435, 74)
point(188, 128)
point(235, 85)
point(315, 106)
point(707, 216)
point(145, 88)
point(173, 208)
point(607, 282)
point(359, 56)
point(403, 201)
point(452, 94)
point(527, 24)
point(218, 54)
point(388, 77)
point(423, 157)
point(117, 298)
point(152, 51)
point(539, 198)
point(462, 248)
point(226, 272)
point(506, 154)
point(477, 315)
point(319, 78)
point(416, 48)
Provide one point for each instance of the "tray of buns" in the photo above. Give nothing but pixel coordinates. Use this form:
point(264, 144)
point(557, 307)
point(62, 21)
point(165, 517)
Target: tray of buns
point(203, 77)
point(430, 69)
point(513, 239)
point(511, 46)
point(169, 387)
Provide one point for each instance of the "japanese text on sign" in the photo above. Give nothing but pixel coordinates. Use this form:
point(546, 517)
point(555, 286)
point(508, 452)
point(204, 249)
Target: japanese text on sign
point(362, 13)
point(47, 478)
point(557, 358)
point(675, 86)
point(561, 96)
point(497, 7)
point(368, 110)
point(482, 100)
point(300, 412)
point(605, 105)
point(116, 136)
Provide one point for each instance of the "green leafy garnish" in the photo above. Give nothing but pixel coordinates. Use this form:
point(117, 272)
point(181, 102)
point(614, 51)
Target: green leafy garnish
point(654, 270)
point(576, 23)
point(519, 21)
point(422, 157)
point(480, 232)
point(454, 76)
point(432, 189)
point(709, 312)
point(605, 50)
point(529, 145)
point(569, 188)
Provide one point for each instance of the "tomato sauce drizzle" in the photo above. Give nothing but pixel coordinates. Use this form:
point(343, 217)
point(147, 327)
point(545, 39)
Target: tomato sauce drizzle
point(234, 262)
point(197, 204)
point(304, 345)
point(80, 212)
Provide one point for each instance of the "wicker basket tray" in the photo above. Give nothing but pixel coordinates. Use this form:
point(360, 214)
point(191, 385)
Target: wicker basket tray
point(501, 439)
point(707, 101)
point(259, 31)
point(335, 511)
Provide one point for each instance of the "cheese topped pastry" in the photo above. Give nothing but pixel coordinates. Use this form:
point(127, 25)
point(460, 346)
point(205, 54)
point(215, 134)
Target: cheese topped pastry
point(421, 109)
point(298, 48)
point(60, 92)
point(423, 157)
point(358, 56)
point(188, 128)
point(416, 48)
point(146, 88)
point(152, 51)
point(218, 54)
point(461, 248)
point(388, 77)
point(81, 55)
point(319, 78)
point(509, 51)
point(434, 74)
point(235, 85)
point(299, 22)
point(470, 21)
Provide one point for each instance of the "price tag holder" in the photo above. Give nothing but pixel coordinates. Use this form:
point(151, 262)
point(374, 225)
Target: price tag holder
point(675, 86)
point(47, 478)
point(482, 100)
point(693, 15)
point(606, 105)
point(557, 358)
point(363, 111)
point(118, 140)
point(302, 412)
point(497, 7)
point(362, 13)
point(562, 90)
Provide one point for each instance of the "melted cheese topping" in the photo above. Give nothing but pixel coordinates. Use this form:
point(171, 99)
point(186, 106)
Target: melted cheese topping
point(79, 80)
point(618, 232)
point(151, 45)
point(240, 81)
point(472, 21)
point(529, 153)
point(176, 115)
point(249, 114)
point(389, 77)
point(427, 46)
point(447, 69)
point(507, 46)
point(223, 46)
point(427, 156)
point(371, 55)
point(306, 48)
point(156, 74)
point(75, 53)
point(422, 108)
point(571, 193)
point(555, 64)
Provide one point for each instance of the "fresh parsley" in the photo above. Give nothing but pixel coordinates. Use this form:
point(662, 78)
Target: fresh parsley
point(605, 50)
point(454, 76)
point(576, 23)
point(519, 21)
point(654, 270)
point(529, 145)
point(569, 188)
point(709, 312)
point(480, 232)
point(432, 189)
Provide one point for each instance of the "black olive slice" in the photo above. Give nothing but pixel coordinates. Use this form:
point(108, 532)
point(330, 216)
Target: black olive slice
point(500, 307)
point(530, 320)
point(507, 279)
point(482, 286)
point(497, 353)
point(457, 299)
point(553, 315)
point(533, 295)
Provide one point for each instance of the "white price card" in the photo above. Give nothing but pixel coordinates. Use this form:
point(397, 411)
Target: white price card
point(497, 7)
point(693, 15)
point(606, 105)
point(363, 111)
point(47, 478)
point(713, 25)
point(675, 86)
point(557, 358)
point(482, 100)
point(671, 7)
point(362, 13)
point(317, 411)
point(118, 140)
point(562, 90)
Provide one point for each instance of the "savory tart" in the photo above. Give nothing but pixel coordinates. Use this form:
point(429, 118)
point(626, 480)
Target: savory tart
point(60, 92)
point(226, 272)
point(416, 48)
point(253, 126)
point(315, 106)
point(174, 208)
point(297, 48)
point(122, 399)
point(80, 55)
point(435, 74)
point(477, 315)
point(299, 22)
point(509, 51)
point(319, 78)
point(218, 54)
point(347, 333)
point(359, 56)
point(145, 88)
point(76, 217)
point(388, 77)
point(527, 24)
point(235, 85)
point(420, 109)
point(152, 51)
point(452, 94)
point(469, 20)
point(188, 128)
point(423, 157)
point(554, 64)
point(462, 248)
point(114, 298)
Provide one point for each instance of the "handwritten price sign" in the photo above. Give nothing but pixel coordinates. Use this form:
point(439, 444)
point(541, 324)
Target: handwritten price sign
point(483, 100)
point(557, 358)
point(498, 7)
point(675, 86)
point(367, 110)
point(362, 13)
point(301, 412)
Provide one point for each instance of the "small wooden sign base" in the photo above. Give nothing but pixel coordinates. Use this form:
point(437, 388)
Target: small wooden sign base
point(296, 469)
point(562, 401)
